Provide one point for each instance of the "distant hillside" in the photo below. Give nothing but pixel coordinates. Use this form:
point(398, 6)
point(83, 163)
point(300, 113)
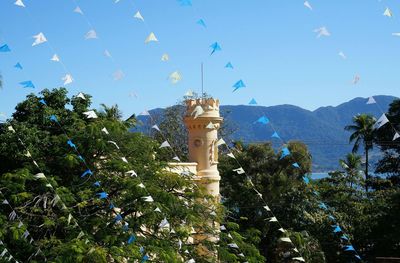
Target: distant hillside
point(322, 130)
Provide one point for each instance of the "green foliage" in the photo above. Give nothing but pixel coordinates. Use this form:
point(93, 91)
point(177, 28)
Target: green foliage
point(85, 229)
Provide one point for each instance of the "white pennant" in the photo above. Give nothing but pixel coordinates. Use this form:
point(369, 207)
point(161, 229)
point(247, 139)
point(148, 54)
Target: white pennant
point(371, 100)
point(155, 127)
point(165, 57)
point(176, 158)
point(90, 114)
point(12, 215)
point(69, 218)
point(5, 202)
point(157, 210)
point(164, 223)
point(105, 130)
point(3, 253)
point(141, 185)
point(148, 199)
point(396, 136)
point(299, 259)
point(67, 79)
point(267, 208)
point(210, 125)
point(189, 93)
point(91, 34)
point(40, 176)
point(19, 3)
point(165, 144)
point(322, 31)
point(381, 121)
point(55, 58)
point(124, 160)
point(175, 77)
point(239, 170)
point(198, 110)
point(114, 143)
point(151, 38)
point(233, 245)
point(308, 5)
point(231, 155)
point(80, 95)
point(139, 16)
point(144, 113)
point(28, 154)
point(285, 239)
point(78, 10)
point(220, 142)
point(388, 12)
point(131, 173)
point(39, 39)
point(342, 55)
point(273, 219)
point(11, 129)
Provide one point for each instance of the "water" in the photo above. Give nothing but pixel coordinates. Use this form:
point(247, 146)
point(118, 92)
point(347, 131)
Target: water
point(316, 176)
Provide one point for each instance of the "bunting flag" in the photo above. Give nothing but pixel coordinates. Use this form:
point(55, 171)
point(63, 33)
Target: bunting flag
point(349, 248)
point(308, 5)
point(342, 55)
point(229, 65)
point(322, 31)
point(285, 152)
point(67, 79)
point(131, 239)
point(175, 77)
point(189, 93)
point(356, 79)
point(215, 47)
point(165, 57)
point(105, 130)
point(71, 144)
point(131, 173)
point(118, 75)
point(198, 111)
point(299, 259)
point(139, 16)
point(233, 245)
point(78, 10)
point(40, 176)
point(323, 206)
point(19, 3)
point(157, 210)
point(165, 144)
point(107, 53)
point(144, 113)
point(176, 158)
point(275, 135)
point(18, 66)
point(296, 165)
point(371, 100)
point(39, 39)
point(114, 143)
point(151, 38)
point(148, 199)
point(141, 185)
point(337, 229)
point(27, 84)
point(80, 95)
point(285, 239)
point(388, 12)
point(96, 184)
point(239, 170)
point(156, 127)
point(231, 155)
point(210, 126)
point(381, 121)
point(262, 120)
point(306, 180)
point(273, 219)
point(238, 85)
point(201, 23)
point(253, 102)
point(164, 224)
point(5, 48)
point(185, 2)
point(91, 34)
point(87, 172)
point(55, 58)
point(90, 114)
point(42, 101)
point(102, 195)
point(220, 142)
point(396, 136)
point(281, 230)
point(124, 159)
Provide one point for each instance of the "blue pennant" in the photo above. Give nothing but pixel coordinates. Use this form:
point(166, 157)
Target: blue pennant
point(145, 258)
point(344, 237)
point(102, 195)
point(185, 2)
point(27, 84)
point(202, 23)
point(97, 184)
point(229, 65)
point(111, 206)
point(357, 256)
point(296, 165)
point(81, 158)
point(18, 66)
point(71, 144)
point(238, 85)
point(118, 218)
point(53, 118)
point(87, 172)
point(42, 101)
point(337, 229)
point(253, 102)
point(131, 239)
point(275, 135)
point(141, 249)
point(215, 47)
point(323, 206)
point(349, 248)
point(285, 152)
point(306, 180)
point(125, 227)
point(263, 120)
point(5, 48)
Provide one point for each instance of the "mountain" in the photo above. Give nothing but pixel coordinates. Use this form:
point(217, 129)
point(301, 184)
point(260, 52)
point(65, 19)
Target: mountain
point(322, 129)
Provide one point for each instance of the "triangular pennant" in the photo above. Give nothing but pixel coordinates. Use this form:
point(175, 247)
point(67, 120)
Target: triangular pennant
point(139, 16)
point(155, 127)
point(55, 58)
point(27, 84)
point(220, 142)
point(5, 48)
point(285, 239)
point(396, 136)
point(78, 10)
point(175, 77)
point(151, 38)
point(229, 65)
point(342, 55)
point(371, 100)
point(90, 114)
point(131, 173)
point(239, 170)
point(67, 79)
point(238, 85)
point(105, 130)
point(165, 57)
point(253, 102)
point(388, 12)
point(91, 34)
point(107, 53)
point(19, 3)
point(215, 47)
point(165, 144)
point(18, 66)
point(198, 111)
point(275, 135)
point(381, 121)
point(39, 39)
point(81, 95)
point(231, 155)
point(201, 23)
point(308, 5)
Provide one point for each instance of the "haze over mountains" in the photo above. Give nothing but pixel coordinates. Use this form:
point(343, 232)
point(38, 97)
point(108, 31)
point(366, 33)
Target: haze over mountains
point(322, 129)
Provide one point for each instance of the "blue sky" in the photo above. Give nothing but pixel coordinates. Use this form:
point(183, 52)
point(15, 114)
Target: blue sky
point(270, 43)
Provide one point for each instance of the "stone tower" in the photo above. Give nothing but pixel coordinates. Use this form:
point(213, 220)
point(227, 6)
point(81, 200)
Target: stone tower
point(203, 121)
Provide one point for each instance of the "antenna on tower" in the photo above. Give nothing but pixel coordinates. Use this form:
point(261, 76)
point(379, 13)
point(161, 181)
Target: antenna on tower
point(202, 81)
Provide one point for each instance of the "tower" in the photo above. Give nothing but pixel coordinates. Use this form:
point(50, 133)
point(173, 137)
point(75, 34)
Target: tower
point(203, 121)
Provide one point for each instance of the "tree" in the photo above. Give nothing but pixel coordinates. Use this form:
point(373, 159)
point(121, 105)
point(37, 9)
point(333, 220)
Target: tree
point(389, 165)
point(352, 164)
point(363, 133)
point(64, 213)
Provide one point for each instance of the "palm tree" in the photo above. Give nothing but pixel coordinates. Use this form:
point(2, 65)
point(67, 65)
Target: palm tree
point(351, 164)
point(363, 133)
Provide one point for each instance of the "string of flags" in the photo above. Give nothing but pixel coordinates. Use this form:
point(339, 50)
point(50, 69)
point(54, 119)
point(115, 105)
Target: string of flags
point(6, 254)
